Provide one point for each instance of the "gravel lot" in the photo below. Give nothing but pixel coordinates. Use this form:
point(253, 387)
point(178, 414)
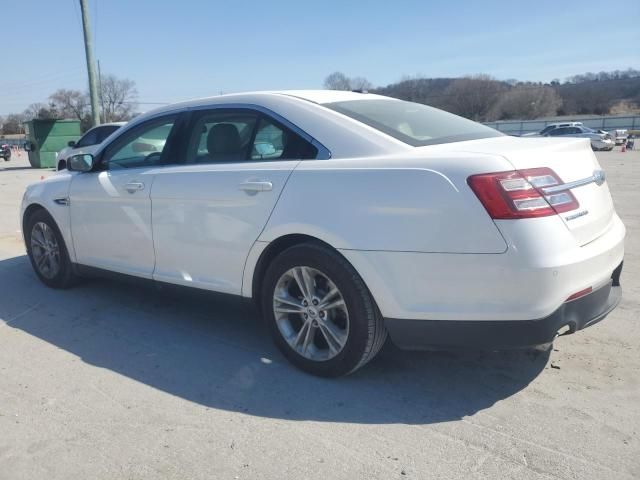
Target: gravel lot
point(112, 381)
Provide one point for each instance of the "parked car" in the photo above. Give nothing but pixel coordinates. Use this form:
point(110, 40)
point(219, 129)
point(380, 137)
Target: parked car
point(550, 127)
point(619, 136)
point(88, 143)
point(599, 141)
point(346, 217)
point(5, 152)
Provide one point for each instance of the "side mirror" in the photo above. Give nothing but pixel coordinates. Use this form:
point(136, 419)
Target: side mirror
point(264, 149)
point(80, 163)
point(71, 143)
point(28, 147)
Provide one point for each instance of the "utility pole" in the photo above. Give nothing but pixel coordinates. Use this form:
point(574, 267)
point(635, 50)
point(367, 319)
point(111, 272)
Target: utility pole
point(88, 48)
point(104, 113)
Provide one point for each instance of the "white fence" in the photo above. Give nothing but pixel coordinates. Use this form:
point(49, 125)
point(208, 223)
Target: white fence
point(606, 122)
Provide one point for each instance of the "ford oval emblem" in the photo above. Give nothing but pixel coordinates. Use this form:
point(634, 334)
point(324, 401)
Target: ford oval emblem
point(599, 177)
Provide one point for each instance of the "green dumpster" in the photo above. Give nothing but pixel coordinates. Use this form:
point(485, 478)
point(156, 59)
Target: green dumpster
point(45, 138)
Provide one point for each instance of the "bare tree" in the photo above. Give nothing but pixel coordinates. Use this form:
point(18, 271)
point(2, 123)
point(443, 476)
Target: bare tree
point(40, 110)
point(337, 81)
point(12, 123)
point(360, 83)
point(118, 97)
point(526, 103)
point(473, 97)
point(70, 103)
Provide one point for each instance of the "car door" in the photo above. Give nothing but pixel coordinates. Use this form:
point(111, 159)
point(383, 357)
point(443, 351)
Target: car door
point(209, 211)
point(111, 206)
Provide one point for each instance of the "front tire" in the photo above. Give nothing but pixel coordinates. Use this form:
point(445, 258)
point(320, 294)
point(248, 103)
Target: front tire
point(47, 251)
point(319, 311)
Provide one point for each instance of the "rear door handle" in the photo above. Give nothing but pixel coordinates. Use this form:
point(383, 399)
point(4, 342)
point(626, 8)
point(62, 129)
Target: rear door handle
point(132, 187)
point(256, 186)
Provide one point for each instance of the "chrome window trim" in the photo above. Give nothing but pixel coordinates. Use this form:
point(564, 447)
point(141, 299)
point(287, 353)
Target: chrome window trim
point(323, 152)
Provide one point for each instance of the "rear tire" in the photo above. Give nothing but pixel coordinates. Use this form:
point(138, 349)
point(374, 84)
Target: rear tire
point(343, 333)
point(47, 251)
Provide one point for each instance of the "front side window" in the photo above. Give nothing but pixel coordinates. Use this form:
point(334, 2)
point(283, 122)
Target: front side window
point(143, 146)
point(243, 135)
point(413, 123)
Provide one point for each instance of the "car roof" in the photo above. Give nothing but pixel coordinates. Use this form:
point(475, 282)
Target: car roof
point(111, 124)
point(315, 96)
point(565, 124)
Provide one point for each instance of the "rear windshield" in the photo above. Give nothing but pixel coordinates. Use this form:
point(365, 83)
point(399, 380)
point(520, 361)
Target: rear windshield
point(413, 123)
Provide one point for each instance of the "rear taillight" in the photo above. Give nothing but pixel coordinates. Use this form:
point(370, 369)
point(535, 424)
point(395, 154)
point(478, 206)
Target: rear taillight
point(519, 193)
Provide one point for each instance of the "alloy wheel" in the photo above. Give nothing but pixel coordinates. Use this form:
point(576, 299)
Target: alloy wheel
point(45, 250)
point(311, 313)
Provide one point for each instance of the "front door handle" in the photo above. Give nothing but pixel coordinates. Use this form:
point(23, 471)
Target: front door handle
point(256, 186)
point(134, 187)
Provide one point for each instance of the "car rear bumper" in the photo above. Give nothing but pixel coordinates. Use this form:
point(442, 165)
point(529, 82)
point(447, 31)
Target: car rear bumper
point(542, 268)
point(505, 334)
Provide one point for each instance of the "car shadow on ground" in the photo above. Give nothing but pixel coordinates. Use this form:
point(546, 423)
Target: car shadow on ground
point(215, 352)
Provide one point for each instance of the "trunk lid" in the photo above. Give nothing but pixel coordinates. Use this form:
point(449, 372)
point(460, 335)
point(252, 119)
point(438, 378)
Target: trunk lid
point(573, 161)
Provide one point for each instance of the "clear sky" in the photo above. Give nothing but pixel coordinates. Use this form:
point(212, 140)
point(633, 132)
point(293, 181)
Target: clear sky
point(179, 49)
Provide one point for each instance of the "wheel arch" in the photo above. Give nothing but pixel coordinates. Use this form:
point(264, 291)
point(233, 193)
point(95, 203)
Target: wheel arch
point(60, 223)
point(272, 250)
point(30, 210)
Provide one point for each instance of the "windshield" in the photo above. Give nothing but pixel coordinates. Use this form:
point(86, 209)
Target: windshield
point(413, 123)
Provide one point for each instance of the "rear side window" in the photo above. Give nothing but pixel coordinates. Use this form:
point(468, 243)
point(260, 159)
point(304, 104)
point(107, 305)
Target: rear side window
point(221, 137)
point(104, 132)
point(413, 123)
point(88, 139)
point(96, 135)
point(273, 141)
point(218, 136)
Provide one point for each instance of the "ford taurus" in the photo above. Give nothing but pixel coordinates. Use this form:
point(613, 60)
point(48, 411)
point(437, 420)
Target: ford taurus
point(347, 217)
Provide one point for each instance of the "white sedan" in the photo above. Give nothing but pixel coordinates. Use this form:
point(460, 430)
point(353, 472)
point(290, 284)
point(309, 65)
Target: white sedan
point(346, 217)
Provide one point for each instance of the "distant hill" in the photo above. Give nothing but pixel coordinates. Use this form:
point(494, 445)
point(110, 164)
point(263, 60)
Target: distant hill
point(484, 98)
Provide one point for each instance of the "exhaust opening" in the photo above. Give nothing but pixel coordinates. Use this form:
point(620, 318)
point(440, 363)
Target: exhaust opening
point(615, 276)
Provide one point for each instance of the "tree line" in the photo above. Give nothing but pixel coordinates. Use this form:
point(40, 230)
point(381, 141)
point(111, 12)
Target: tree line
point(117, 98)
point(484, 98)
